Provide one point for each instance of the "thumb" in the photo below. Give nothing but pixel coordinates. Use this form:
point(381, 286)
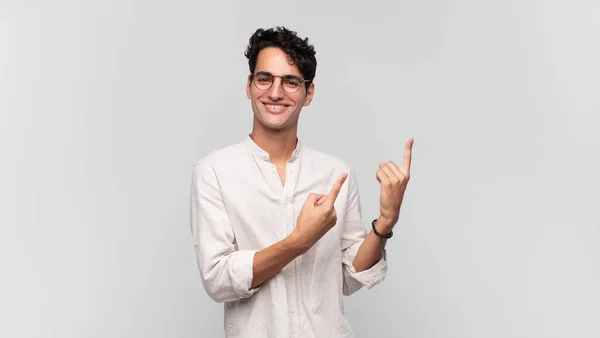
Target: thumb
point(313, 198)
point(321, 200)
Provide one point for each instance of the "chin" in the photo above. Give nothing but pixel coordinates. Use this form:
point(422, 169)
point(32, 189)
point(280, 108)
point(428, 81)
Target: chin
point(277, 122)
point(275, 126)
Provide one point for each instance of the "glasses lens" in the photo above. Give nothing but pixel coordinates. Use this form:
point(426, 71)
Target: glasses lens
point(291, 84)
point(263, 81)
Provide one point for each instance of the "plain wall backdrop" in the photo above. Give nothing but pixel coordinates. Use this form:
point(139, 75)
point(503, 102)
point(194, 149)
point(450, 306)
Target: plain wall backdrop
point(106, 105)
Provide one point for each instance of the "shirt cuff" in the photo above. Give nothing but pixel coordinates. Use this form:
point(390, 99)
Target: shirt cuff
point(242, 273)
point(372, 276)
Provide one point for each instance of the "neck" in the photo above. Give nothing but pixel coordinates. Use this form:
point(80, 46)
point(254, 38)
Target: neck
point(280, 144)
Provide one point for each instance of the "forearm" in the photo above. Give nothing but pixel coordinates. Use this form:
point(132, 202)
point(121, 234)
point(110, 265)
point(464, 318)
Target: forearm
point(271, 260)
point(371, 249)
point(237, 274)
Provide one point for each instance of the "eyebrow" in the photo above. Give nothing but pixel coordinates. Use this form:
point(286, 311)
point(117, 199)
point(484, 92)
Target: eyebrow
point(285, 75)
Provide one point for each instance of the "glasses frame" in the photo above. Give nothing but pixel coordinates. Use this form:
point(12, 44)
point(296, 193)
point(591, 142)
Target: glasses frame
point(253, 76)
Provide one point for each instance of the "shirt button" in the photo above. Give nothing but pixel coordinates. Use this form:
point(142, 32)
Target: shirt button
point(196, 244)
point(287, 201)
point(292, 310)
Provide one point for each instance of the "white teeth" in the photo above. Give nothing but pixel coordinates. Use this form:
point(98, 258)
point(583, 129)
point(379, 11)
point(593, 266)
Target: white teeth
point(275, 107)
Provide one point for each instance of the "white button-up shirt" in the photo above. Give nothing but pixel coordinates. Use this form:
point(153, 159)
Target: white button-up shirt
point(239, 206)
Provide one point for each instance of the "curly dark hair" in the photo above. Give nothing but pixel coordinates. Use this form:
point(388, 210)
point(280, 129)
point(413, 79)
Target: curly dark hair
point(301, 52)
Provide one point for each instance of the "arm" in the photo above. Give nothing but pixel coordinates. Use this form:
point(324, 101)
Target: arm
point(227, 273)
point(316, 218)
point(370, 250)
point(271, 260)
point(393, 181)
point(365, 268)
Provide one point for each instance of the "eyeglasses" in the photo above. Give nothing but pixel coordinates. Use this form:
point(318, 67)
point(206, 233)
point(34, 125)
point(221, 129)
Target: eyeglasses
point(290, 83)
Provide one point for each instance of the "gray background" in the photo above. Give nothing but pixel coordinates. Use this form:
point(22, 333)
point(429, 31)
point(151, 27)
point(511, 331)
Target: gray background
point(106, 105)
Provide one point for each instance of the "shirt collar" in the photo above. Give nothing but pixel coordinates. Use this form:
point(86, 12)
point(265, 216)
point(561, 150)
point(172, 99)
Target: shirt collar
point(262, 154)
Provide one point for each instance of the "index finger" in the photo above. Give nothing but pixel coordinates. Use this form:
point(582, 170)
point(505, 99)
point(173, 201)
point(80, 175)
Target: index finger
point(335, 190)
point(407, 156)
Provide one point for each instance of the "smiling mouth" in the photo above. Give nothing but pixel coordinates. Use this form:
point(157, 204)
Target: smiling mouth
point(275, 108)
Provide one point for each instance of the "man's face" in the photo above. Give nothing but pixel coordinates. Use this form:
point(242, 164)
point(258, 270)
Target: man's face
point(275, 108)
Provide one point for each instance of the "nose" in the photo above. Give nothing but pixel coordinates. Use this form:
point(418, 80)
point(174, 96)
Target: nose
point(276, 91)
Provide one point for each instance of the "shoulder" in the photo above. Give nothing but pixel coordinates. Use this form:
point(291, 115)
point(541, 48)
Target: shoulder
point(222, 157)
point(326, 160)
point(219, 162)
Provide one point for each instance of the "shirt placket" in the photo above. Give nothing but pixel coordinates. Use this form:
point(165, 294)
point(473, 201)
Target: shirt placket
point(287, 200)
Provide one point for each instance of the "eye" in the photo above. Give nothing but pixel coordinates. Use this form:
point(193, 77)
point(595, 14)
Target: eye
point(291, 82)
point(263, 79)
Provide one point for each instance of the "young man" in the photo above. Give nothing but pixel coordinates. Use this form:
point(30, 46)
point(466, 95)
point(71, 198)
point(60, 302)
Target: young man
point(276, 224)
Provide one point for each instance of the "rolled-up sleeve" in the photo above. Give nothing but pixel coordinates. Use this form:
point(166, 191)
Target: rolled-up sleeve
point(226, 272)
point(354, 233)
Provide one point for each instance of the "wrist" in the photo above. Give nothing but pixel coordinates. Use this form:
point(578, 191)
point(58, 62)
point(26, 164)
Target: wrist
point(296, 243)
point(384, 225)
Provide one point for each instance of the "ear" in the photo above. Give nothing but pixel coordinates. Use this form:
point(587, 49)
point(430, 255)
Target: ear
point(310, 92)
point(248, 83)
